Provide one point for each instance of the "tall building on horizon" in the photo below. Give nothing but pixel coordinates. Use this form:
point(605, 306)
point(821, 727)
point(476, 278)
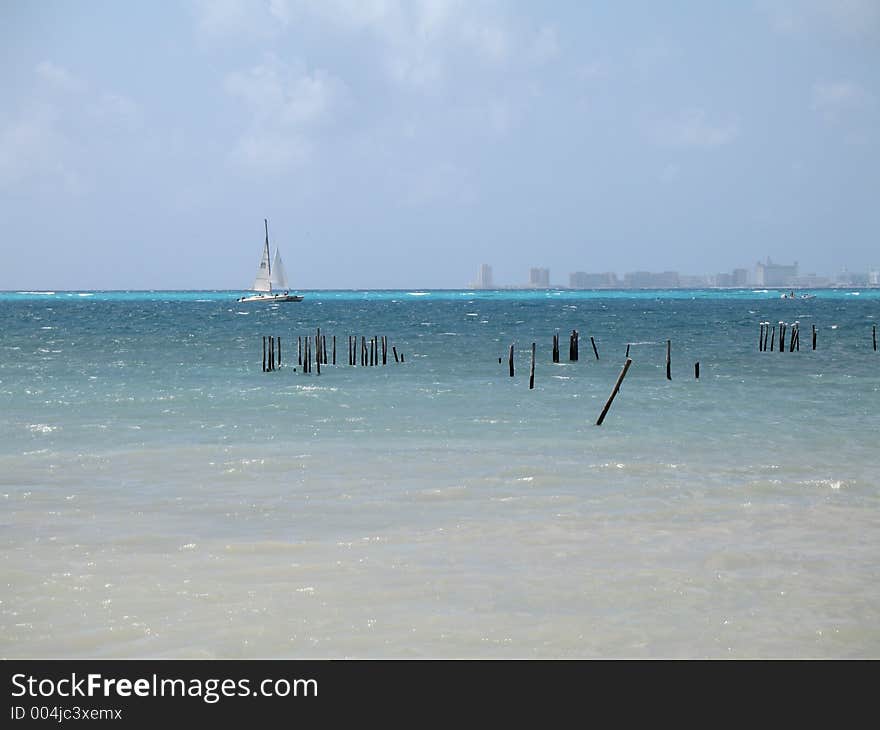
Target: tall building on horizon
point(484, 278)
point(539, 278)
point(770, 274)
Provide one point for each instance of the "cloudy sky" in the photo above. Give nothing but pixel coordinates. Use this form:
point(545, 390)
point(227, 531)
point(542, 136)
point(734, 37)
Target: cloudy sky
point(401, 144)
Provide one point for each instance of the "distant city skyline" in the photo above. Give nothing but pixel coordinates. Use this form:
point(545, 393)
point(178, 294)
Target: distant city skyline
point(764, 273)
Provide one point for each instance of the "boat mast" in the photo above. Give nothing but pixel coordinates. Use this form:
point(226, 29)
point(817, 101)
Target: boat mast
point(268, 258)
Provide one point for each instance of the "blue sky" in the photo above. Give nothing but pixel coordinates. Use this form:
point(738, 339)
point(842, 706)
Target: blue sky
point(401, 144)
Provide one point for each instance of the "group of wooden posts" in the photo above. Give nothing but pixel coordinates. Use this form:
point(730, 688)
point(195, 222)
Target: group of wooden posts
point(372, 352)
point(794, 337)
point(573, 357)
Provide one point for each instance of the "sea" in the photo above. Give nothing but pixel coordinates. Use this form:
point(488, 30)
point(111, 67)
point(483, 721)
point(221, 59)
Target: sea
point(164, 497)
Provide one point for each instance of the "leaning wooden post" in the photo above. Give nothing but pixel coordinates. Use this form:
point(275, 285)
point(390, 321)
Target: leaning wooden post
point(627, 349)
point(697, 370)
point(814, 337)
point(614, 391)
point(264, 353)
point(396, 359)
point(593, 343)
point(669, 359)
point(510, 360)
point(792, 338)
point(532, 371)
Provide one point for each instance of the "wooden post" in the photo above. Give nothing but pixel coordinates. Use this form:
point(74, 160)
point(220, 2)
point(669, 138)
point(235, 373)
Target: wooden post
point(573, 346)
point(401, 357)
point(697, 370)
point(384, 349)
point(773, 338)
point(814, 337)
point(874, 331)
point(766, 334)
point(782, 327)
point(669, 359)
point(627, 349)
point(792, 337)
point(532, 371)
point(363, 351)
point(761, 338)
point(510, 360)
point(299, 351)
point(264, 353)
point(279, 352)
point(593, 343)
point(271, 353)
point(394, 350)
point(334, 349)
point(556, 347)
point(614, 391)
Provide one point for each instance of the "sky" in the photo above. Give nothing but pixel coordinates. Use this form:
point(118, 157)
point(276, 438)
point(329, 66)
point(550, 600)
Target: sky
point(402, 144)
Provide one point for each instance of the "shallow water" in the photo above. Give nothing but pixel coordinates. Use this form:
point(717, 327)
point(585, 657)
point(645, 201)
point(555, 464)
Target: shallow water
point(165, 498)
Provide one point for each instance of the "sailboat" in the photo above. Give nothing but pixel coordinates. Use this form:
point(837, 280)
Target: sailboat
point(271, 281)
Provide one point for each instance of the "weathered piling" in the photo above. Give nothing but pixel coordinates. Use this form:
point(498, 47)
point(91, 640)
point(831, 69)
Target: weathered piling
point(669, 359)
point(573, 346)
point(510, 360)
point(299, 351)
point(556, 347)
point(772, 338)
point(627, 349)
point(814, 337)
point(334, 349)
point(761, 339)
point(271, 353)
point(532, 370)
point(394, 351)
point(782, 327)
point(766, 334)
point(793, 337)
point(363, 351)
point(593, 343)
point(384, 349)
point(324, 348)
point(279, 352)
point(614, 391)
point(874, 333)
point(264, 353)
point(401, 358)
point(697, 370)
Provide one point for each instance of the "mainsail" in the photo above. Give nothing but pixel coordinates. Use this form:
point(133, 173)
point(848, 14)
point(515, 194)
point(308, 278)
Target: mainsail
point(278, 277)
point(263, 282)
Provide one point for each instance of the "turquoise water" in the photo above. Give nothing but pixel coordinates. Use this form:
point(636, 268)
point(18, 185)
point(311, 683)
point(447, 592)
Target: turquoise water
point(165, 497)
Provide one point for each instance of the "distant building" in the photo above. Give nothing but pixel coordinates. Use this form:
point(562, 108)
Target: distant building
point(873, 277)
point(583, 280)
point(484, 279)
point(649, 280)
point(770, 274)
point(539, 278)
point(736, 278)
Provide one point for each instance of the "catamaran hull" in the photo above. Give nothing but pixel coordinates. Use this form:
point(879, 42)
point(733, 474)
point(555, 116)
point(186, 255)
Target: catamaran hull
point(272, 298)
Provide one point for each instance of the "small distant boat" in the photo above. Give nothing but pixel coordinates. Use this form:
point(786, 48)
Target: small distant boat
point(271, 282)
point(792, 295)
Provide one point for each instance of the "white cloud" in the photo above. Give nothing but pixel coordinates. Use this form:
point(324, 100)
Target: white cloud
point(222, 21)
point(833, 99)
point(287, 109)
point(57, 129)
point(692, 128)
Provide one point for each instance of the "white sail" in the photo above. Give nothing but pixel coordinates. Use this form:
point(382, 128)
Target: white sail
point(263, 282)
point(278, 279)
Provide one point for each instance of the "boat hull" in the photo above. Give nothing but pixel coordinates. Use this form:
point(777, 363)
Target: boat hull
point(271, 298)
